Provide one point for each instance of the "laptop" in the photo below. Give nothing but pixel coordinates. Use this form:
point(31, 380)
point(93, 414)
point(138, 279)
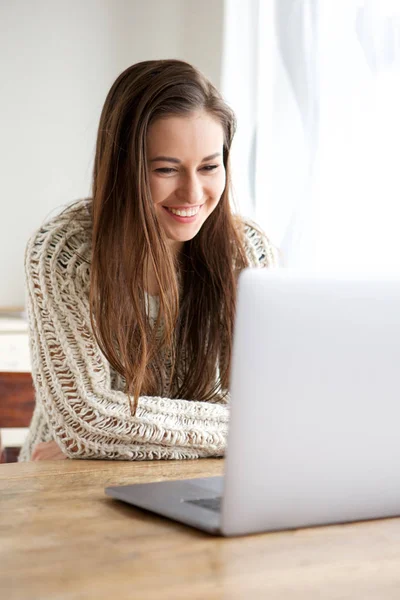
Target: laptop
point(314, 434)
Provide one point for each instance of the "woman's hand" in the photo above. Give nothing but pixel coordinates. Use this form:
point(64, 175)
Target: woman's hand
point(47, 451)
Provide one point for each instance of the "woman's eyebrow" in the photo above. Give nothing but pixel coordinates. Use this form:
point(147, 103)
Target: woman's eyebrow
point(177, 161)
point(211, 156)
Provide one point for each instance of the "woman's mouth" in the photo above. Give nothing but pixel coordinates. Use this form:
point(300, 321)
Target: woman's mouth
point(187, 215)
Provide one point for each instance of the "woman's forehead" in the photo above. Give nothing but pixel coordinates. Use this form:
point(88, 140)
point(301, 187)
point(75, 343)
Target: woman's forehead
point(197, 134)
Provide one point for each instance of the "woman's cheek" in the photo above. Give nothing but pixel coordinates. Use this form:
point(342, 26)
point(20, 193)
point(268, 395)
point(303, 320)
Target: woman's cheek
point(159, 189)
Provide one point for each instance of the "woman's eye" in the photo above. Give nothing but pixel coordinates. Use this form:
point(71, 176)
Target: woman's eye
point(210, 167)
point(170, 170)
point(166, 170)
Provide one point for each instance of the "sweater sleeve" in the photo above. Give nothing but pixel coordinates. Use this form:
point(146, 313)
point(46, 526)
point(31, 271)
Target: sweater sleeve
point(85, 416)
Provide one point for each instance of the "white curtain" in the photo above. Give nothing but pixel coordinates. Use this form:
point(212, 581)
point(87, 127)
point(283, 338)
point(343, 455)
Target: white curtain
point(316, 87)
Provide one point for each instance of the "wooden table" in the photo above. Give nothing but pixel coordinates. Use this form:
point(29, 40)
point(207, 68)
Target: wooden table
point(62, 538)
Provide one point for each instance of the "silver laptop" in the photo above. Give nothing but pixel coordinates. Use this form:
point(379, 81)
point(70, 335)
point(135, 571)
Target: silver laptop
point(314, 432)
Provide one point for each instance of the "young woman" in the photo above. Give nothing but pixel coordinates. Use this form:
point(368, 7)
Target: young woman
point(131, 293)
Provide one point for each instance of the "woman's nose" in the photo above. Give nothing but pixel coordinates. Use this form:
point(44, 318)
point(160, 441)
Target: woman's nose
point(191, 190)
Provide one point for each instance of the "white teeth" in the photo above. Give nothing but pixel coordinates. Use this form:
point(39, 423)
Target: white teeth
point(185, 213)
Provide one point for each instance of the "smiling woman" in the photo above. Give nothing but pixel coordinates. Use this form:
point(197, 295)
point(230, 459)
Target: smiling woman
point(186, 194)
point(132, 293)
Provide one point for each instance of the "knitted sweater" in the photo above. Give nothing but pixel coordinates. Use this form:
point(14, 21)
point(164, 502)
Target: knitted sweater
point(80, 401)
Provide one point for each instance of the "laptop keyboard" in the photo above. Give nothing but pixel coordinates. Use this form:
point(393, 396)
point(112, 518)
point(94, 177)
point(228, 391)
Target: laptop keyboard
point(209, 503)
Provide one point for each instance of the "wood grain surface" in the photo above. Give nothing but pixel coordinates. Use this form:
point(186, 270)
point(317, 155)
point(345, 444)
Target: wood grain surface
point(62, 538)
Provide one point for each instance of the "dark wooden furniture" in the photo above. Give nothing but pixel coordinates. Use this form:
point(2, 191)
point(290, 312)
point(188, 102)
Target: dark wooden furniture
point(17, 401)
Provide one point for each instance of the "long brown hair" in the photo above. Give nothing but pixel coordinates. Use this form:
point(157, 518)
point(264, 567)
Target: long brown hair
point(197, 297)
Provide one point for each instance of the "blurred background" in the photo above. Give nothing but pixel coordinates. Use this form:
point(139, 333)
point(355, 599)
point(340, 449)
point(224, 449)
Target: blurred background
point(315, 85)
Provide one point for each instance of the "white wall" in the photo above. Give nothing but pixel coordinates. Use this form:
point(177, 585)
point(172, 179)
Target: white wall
point(58, 59)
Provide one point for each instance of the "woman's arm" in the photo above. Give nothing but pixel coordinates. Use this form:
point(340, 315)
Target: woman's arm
point(47, 451)
point(86, 417)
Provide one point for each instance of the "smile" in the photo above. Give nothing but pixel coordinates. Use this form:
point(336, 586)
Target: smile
point(184, 215)
point(188, 212)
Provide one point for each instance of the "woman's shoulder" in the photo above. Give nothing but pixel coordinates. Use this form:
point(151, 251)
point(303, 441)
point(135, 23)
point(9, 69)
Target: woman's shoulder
point(259, 249)
point(71, 226)
point(62, 242)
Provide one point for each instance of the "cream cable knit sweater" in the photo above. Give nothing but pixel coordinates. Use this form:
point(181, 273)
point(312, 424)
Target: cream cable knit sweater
point(79, 399)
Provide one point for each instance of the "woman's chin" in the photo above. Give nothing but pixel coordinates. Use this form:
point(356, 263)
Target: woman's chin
point(182, 236)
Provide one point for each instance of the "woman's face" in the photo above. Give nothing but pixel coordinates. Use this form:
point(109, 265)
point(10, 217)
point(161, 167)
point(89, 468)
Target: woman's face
point(186, 172)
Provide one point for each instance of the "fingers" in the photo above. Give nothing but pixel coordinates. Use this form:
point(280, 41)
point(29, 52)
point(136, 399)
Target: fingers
point(36, 452)
point(47, 451)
